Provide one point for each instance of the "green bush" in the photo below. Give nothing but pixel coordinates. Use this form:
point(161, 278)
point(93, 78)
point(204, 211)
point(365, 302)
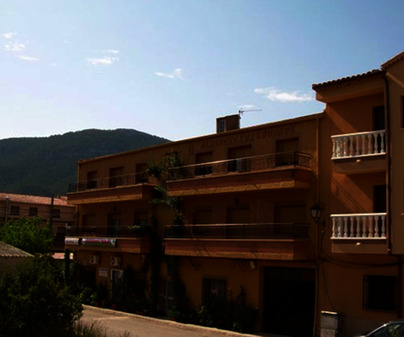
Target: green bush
point(35, 302)
point(233, 313)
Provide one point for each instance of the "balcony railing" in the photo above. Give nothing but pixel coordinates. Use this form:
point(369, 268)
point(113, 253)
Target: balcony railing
point(358, 144)
point(109, 182)
point(107, 231)
point(359, 226)
point(240, 231)
point(246, 164)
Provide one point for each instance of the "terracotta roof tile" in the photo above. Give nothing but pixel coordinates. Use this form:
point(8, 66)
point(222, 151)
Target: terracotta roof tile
point(33, 199)
point(371, 73)
point(7, 250)
point(393, 60)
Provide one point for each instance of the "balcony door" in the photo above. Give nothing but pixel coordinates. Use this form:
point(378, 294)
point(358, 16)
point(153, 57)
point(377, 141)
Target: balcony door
point(285, 151)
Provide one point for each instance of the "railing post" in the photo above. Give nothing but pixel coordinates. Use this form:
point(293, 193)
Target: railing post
point(358, 227)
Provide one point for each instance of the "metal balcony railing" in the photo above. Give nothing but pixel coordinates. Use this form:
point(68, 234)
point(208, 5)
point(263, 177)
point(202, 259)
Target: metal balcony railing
point(359, 226)
point(107, 231)
point(246, 164)
point(358, 144)
point(109, 182)
point(240, 231)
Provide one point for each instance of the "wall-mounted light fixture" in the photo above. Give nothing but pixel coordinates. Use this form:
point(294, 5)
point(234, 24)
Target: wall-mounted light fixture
point(315, 212)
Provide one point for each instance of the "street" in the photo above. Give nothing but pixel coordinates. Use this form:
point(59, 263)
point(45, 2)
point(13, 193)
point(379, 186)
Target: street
point(120, 324)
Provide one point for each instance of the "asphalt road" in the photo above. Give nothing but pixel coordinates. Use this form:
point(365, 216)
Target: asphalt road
point(120, 324)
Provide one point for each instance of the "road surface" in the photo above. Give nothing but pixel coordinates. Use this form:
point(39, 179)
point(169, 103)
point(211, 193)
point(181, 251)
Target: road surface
point(120, 324)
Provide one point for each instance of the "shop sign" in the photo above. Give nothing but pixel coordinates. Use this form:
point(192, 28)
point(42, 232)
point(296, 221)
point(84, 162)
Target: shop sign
point(98, 242)
point(71, 241)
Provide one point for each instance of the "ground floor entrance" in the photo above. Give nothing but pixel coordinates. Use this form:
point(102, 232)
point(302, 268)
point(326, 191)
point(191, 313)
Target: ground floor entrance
point(289, 301)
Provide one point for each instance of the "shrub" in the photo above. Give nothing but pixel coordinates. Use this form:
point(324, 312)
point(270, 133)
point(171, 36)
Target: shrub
point(35, 302)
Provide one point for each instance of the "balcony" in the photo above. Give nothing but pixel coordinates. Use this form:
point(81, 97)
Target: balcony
point(129, 240)
point(273, 171)
point(359, 152)
point(242, 241)
point(109, 189)
point(359, 233)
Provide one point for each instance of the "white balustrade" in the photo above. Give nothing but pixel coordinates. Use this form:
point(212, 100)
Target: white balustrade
point(359, 226)
point(358, 144)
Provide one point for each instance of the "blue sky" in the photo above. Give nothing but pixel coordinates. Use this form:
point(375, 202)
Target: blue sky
point(170, 67)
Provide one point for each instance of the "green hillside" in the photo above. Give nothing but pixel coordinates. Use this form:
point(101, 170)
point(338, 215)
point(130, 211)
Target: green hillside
point(42, 166)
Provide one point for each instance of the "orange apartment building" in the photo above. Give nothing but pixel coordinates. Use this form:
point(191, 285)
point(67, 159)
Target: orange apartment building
point(55, 210)
point(362, 176)
point(241, 220)
point(306, 214)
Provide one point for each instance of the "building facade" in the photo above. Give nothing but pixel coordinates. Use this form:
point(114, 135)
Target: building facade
point(361, 171)
point(305, 215)
point(55, 210)
point(228, 211)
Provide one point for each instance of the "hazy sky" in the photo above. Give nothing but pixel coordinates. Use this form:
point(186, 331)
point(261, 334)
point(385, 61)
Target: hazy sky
point(170, 67)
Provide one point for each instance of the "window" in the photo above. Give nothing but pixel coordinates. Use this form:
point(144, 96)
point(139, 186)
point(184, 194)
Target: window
point(379, 198)
point(92, 180)
point(380, 292)
point(141, 173)
point(201, 158)
point(378, 118)
point(15, 210)
point(213, 289)
point(286, 152)
point(115, 176)
point(240, 162)
point(140, 218)
point(55, 213)
point(33, 211)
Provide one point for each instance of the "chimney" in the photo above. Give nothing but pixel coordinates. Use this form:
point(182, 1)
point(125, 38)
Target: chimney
point(227, 123)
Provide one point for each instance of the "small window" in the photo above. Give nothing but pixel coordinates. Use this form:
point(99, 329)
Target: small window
point(141, 173)
point(15, 210)
point(380, 293)
point(286, 152)
point(33, 211)
point(92, 180)
point(214, 289)
point(203, 158)
point(240, 154)
point(55, 213)
point(115, 176)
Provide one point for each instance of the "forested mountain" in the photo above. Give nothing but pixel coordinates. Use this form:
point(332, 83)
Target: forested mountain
point(45, 166)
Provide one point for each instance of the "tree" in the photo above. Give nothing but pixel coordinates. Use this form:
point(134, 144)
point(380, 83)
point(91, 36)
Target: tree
point(34, 301)
point(28, 234)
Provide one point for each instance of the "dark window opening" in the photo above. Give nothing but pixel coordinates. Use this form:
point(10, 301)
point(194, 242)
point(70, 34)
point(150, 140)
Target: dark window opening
point(286, 152)
point(214, 290)
point(55, 213)
point(15, 210)
point(201, 158)
point(379, 199)
point(240, 162)
point(92, 180)
point(33, 211)
point(115, 176)
point(378, 118)
point(141, 173)
point(380, 293)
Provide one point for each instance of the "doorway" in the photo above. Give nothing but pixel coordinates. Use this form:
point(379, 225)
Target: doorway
point(289, 301)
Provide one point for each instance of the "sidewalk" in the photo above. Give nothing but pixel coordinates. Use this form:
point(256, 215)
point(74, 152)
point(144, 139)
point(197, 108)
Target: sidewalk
point(121, 324)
